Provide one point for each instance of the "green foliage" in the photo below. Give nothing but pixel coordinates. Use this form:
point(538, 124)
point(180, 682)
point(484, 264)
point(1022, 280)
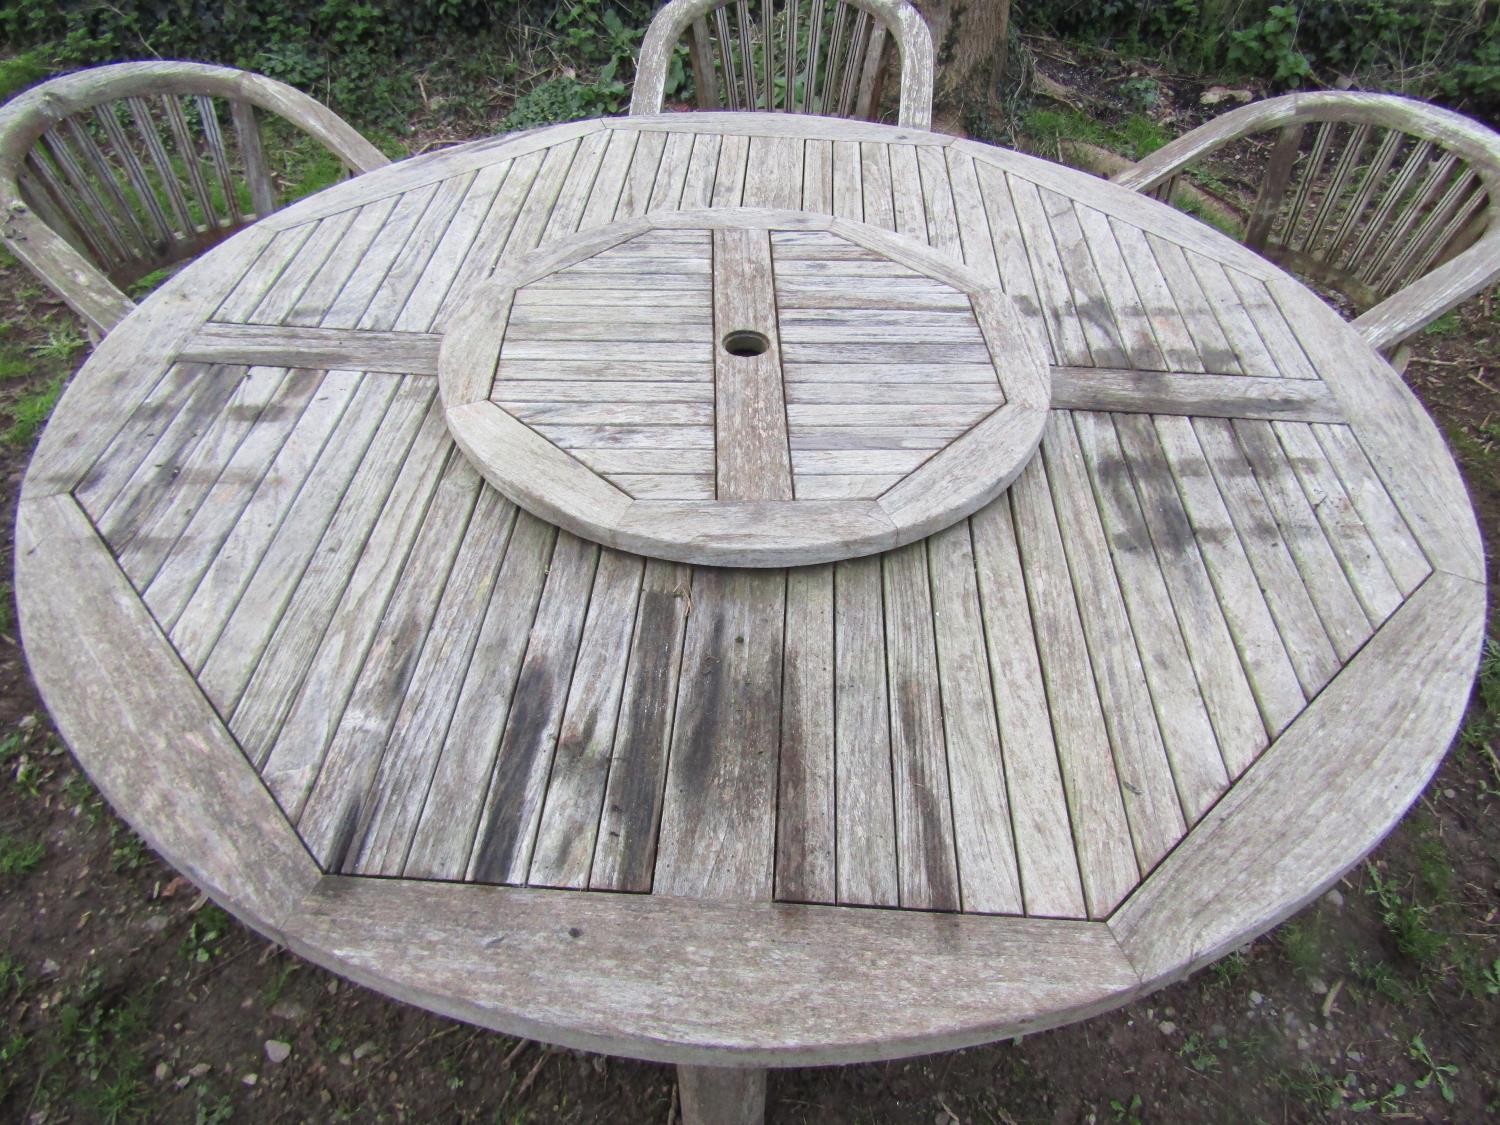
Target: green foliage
point(348, 51)
point(30, 412)
point(20, 857)
point(1441, 49)
point(25, 69)
point(564, 99)
point(1268, 49)
point(1435, 1071)
point(208, 929)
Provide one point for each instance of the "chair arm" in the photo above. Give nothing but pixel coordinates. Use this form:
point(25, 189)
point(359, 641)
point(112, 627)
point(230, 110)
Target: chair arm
point(1403, 314)
point(67, 272)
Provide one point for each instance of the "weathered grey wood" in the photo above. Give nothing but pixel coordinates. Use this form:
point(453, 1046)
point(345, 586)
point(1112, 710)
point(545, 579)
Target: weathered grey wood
point(224, 668)
point(194, 596)
point(865, 830)
point(568, 458)
point(1142, 762)
point(455, 695)
point(1198, 764)
point(806, 807)
point(750, 419)
point(1186, 392)
point(1045, 850)
point(364, 349)
point(714, 1095)
point(1424, 298)
point(717, 823)
point(1101, 832)
point(1224, 688)
point(625, 849)
point(1262, 649)
point(926, 862)
point(330, 807)
point(512, 808)
point(385, 822)
point(92, 288)
point(1307, 642)
point(315, 647)
point(1327, 585)
point(986, 849)
point(297, 712)
point(443, 837)
point(203, 809)
point(564, 849)
point(840, 80)
point(426, 943)
point(1279, 839)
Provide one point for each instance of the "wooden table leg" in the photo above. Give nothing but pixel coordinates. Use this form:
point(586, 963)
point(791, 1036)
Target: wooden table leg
point(722, 1095)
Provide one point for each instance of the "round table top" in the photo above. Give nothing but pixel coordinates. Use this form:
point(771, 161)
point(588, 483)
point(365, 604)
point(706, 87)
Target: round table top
point(1190, 666)
point(744, 387)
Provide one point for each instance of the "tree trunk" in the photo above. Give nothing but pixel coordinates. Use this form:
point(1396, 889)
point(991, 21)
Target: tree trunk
point(971, 38)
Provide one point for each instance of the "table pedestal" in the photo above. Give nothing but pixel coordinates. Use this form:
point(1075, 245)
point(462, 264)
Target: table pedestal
point(721, 1095)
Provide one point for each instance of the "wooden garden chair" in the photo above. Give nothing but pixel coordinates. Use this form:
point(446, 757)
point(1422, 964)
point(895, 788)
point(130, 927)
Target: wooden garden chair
point(1388, 201)
point(821, 56)
point(110, 174)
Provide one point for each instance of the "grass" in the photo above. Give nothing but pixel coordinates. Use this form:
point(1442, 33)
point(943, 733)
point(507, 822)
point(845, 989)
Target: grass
point(1135, 137)
point(20, 857)
point(30, 412)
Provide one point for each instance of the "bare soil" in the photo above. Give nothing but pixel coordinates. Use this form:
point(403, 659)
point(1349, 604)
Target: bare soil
point(128, 997)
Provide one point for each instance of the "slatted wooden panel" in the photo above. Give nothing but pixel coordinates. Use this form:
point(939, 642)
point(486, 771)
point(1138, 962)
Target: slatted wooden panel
point(1021, 714)
point(644, 419)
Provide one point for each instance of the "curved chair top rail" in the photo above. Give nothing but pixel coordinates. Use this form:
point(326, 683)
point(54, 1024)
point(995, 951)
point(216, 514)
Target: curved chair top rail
point(26, 119)
point(897, 17)
point(1430, 295)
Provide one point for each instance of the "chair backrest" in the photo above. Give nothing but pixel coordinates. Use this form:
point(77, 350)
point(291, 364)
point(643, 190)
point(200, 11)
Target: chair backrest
point(1389, 201)
point(816, 56)
point(109, 174)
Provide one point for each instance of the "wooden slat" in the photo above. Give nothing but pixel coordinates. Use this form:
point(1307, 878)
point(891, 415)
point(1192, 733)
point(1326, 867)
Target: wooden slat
point(718, 821)
point(1347, 535)
point(142, 547)
point(1302, 632)
point(1197, 764)
point(1045, 848)
point(443, 836)
point(570, 815)
point(1192, 394)
point(625, 847)
point(1327, 585)
point(927, 866)
point(278, 346)
point(1101, 831)
point(1321, 797)
point(1141, 759)
point(293, 706)
point(225, 666)
point(806, 809)
point(407, 761)
point(330, 810)
point(385, 494)
point(752, 460)
point(982, 813)
point(513, 805)
point(196, 590)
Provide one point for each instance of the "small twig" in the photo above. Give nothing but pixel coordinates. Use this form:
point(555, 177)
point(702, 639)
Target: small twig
point(1333, 994)
point(531, 1075)
point(514, 1053)
point(415, 1047)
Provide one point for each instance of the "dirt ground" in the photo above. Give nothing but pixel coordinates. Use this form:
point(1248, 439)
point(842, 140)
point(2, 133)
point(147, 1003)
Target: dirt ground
point(128, 997)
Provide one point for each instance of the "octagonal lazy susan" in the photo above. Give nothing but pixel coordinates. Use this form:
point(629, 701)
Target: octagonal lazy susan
point(744, 387)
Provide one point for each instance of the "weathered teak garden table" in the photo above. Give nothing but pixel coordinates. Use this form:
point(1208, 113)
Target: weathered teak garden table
point(1163, 690)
